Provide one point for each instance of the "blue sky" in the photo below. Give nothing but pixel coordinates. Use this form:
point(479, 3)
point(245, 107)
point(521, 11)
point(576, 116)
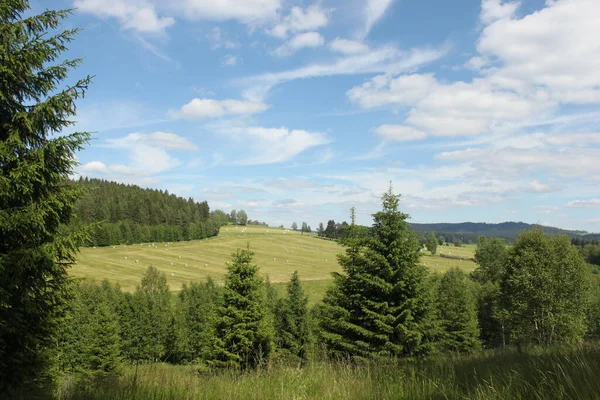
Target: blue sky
point(296, 111)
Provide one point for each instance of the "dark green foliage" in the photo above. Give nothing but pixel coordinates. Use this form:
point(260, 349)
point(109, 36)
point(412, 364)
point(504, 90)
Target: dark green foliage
point(292, 321)
point(243, 333)
point(380, 305)
point(195, 318)
point(457, 312)
point(88, 344)
point(431, 243)
point(36, 197)
point(545, 290)
point(130, 214)
point(330, 231)
point(490, 256)
point(154, 297)
point(593, 310)
point(145, 319)
point(490, 315)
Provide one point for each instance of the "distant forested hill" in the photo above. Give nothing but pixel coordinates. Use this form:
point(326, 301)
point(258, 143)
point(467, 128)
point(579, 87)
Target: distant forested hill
point(131, 214)
point(469, 231)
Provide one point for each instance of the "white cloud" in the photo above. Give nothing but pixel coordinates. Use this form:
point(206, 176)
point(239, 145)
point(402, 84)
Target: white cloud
point(400, 133)
point(458, 108)
point(299, 20)
point(374, 11)
point(492, 10)
point(346, 46)
point(219, 39)
point(140, 16)
point(165, 140)
point(382, 89)
point(267, 145)
point(210, 108)
point(300, 41)
point(229, 60)
point(386, 59)
point(591, 203)
point(507, 163)
point(94, 167)
point(251, 12)
point(554, 48)
point(276, 145)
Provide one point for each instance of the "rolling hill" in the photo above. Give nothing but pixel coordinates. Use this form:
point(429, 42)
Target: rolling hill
point(278, 253)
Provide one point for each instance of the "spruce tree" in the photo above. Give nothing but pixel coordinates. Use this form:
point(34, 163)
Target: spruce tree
point(195, 320)
point(243, 334)
point(381, 305)
point(36, 197)
point(457, 313)
point(292, 321)
point(89, 344)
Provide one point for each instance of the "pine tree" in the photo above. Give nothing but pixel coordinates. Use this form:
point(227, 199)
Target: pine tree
point(243, 334)
point(195, 320)
point(381, 304)
point(36, 197)
point(457, 312)
point(292, 321)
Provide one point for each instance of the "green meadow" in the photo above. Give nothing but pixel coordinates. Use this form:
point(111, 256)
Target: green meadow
point(278, 252)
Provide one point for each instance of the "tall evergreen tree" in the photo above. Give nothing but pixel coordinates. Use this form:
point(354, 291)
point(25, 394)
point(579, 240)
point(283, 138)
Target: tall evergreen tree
point(457, 312)
point(36, 198)
point(545, 290)
point(292, 320)
point(243, 334)
point(89, 345)
point(195, 320)
point(381, 304)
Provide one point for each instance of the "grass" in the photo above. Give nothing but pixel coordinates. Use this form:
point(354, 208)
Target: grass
point(314, 258)
point(551, 374)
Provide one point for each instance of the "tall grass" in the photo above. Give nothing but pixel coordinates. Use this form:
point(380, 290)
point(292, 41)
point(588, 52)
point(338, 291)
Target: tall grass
point(556, 374)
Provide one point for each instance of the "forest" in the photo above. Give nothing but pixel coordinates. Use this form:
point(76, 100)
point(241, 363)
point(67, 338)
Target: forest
point(127, 214)
point(524, 324)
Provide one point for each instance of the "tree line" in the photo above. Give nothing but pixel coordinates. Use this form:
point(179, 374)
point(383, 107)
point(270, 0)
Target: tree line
point(130, 214)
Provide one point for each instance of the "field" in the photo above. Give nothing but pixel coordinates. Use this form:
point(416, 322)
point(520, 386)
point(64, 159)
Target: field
point(278, 252)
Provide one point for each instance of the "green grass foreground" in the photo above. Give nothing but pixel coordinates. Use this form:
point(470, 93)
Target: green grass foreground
point(560, 374)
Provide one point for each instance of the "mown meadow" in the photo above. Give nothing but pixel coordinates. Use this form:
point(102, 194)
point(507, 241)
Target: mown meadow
point(279, 252)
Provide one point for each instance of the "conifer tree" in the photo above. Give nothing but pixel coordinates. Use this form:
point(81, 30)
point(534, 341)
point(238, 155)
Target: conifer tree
point(89, 344)
point(36, 197)
point(292, 320)
point(243, 335)
point(457, 313)
point(196, 314)
point(381, 304)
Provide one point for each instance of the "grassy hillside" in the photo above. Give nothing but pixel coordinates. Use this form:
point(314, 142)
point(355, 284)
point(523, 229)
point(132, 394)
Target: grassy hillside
point(278, 253)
